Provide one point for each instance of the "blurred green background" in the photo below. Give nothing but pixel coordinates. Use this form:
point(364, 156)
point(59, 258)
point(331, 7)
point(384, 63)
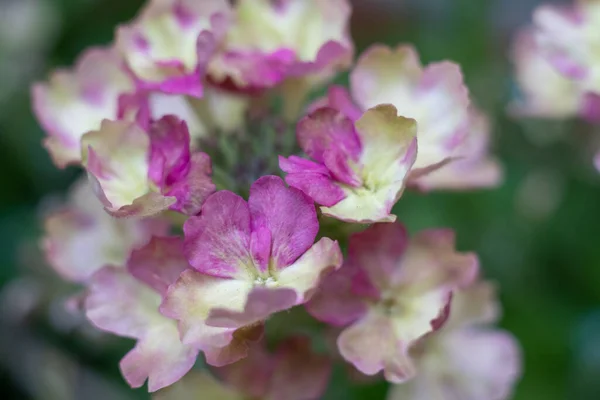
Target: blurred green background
point(537, 235)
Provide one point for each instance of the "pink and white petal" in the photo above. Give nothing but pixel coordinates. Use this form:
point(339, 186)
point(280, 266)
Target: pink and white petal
point(75, 101)
point(118, 303)
point(305, 275)
point(431, 263)
point(370, 344)
point(192, 191)
point(468, 364)
point(159, 357)
point(385, 76)
point(366, 206)
point(334, 302)
point(261, 303)
point(299, 373)
point(159, 263)
point(147, 205)
point(169, 43)
point(378, 251)
point(389, 151)
point(217, 242)
point(196, 385)
point(192, 297)
point(288, 214)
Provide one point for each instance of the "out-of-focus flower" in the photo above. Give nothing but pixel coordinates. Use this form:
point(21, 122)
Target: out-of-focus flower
point(81, 238)
point(76, 101)
point(465, 359)
point(250, 260)
point(558, 62)
point(475, 168)
point(168, 45)
point(359, 168)
point(125, 302)
point(545, 91)
point(135, 173)
point(391, 292)
point(294, 372)
point(268, 42)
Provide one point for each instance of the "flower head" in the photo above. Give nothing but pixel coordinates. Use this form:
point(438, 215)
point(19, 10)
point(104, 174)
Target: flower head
point(465, 359)
point(125, 302)
point(135, 173)
point(168, 45)
point(249, 259)
point(359, 168)
point(76, 101)
point(390, 293)
point(81, 238)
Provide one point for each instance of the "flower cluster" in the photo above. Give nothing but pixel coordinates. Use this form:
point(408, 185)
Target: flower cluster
point(176, 248)
point(558, 63)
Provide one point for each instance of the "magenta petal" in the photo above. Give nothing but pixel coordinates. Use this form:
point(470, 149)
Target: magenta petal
point(340, 99)
point(195, 187)
point(261, 303)
point(159, 263)
point(169, 150)
point(590, 109)
point(217, 242)
point(288, 214)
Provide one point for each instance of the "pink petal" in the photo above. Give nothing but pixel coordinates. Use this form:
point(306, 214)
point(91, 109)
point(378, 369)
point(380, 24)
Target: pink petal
point(335, 302)
point(218, 241)
point(378, 250)
point(299, 373)
point(371, 345)
point(169, 150)
point(159, 263)
point(159, 357)
point(288, 214)
point(192, 191)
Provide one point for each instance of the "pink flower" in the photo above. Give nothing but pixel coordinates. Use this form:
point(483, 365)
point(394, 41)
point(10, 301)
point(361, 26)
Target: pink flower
point(267, 43)
point(294, 372)
point(76, 101)
point(465, 359)
point(135, 173)
point(545, 91)
point(250, 260)
point(359, 168)
point(434, 95)
point(390, 293)
point(557, 62)
point(80, 238)
point(168, 45)
point(125, 302)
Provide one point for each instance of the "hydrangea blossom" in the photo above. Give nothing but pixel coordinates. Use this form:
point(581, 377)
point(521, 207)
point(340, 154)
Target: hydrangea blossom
point(168, 45)
point(465, 359)
point(80, 238)
point(76, 101)
point(390, 292)
point(293, 372)
point(135, 173)
point(125, 302)
point(359, 168)
point(249, 260)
